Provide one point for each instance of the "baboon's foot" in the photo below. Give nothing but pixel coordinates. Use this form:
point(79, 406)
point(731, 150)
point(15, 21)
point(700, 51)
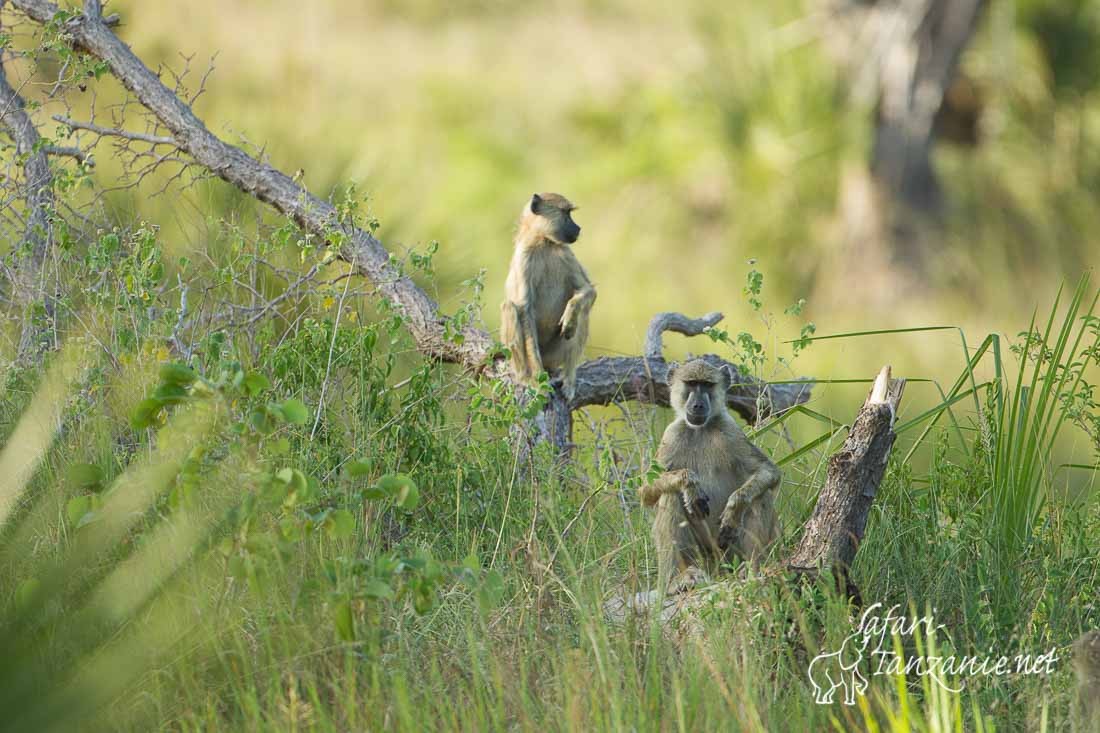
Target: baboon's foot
point(687, 579)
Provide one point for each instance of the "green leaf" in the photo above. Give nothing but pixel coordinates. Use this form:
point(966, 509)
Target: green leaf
point(170, 394)
point(402, 488)
point(177, 374)
point(84, 476)
point(76, 508)
point(374, 493)
point(260, 420)
point(295, 412)
point(290, 529)
point(293, 478)
point(343, 620)
point(340, 524)
point(145, 414)
point(409, 498)
point(359, 468)
point(255, 383)
point(376, 588)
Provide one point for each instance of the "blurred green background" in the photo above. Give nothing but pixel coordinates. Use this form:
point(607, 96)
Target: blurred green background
point(694, 137)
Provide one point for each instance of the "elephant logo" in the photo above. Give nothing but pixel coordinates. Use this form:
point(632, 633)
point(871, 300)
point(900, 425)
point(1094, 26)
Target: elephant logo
point(831, 670)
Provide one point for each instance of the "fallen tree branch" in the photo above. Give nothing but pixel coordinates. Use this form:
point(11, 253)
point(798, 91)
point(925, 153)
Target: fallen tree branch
point(599, 382)
point(645, 379)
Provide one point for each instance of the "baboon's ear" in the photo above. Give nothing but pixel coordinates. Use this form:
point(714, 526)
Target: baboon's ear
point(728, 376)
point(671, 373)
point(536, 202)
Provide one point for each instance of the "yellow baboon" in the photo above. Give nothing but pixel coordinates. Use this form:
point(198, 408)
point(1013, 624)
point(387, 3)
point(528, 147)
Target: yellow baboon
point(548, 296)
point(717, 494)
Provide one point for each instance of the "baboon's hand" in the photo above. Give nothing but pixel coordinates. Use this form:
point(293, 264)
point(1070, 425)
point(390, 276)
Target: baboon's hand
point(727, 536)
point(696, 504)
point(730, 527)
point(568, 325)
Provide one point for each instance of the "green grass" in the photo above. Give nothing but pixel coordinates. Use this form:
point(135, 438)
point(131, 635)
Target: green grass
point(207, 565)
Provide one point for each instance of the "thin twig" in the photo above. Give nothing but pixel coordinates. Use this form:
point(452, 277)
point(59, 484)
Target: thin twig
point(115, 132)
point(328, 366)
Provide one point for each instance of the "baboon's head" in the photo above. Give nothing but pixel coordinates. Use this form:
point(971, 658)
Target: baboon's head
point(697, 391)
point(550, 215)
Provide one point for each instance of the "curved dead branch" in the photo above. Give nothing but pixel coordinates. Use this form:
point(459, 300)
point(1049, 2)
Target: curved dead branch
point(677, 323)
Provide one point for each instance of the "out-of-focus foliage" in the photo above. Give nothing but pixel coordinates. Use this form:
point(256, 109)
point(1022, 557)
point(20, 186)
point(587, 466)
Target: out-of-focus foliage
point(694, 136)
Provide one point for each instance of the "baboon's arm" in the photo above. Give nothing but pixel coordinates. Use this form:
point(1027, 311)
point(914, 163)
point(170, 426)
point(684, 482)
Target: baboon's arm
point(683, 482)
point(669, 482)
point(764, 477)
point(584, 295)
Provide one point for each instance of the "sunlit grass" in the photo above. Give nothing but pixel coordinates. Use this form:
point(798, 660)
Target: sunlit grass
point(140, 617)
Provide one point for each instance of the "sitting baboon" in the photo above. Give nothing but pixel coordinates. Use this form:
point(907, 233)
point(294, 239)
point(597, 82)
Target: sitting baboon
point(548, 296)
point(716, 497)
point(1086, 663)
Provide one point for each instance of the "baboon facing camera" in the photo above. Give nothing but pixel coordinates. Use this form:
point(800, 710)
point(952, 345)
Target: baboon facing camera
point(715, 499)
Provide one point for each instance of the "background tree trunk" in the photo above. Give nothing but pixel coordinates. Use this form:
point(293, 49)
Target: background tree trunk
point(903, 58)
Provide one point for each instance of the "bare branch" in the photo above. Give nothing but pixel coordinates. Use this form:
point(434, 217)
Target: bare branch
point(644, 379)
point(70, 152)
point(115, 132)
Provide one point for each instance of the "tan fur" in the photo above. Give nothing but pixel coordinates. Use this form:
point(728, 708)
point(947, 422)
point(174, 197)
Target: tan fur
point(548, 296)
point(728, 483)
point(1086, 663)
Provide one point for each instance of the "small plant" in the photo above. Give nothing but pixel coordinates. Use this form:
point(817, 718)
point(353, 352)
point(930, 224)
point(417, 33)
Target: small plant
point(748, 352)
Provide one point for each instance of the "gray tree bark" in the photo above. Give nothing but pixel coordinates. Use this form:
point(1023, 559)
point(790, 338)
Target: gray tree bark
point(29, 253)
point(831, 536)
